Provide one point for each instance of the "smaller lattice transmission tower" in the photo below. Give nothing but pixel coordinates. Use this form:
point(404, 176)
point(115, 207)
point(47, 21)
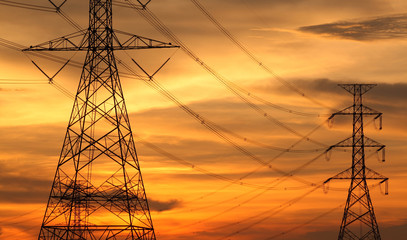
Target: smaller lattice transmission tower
point(359, 221)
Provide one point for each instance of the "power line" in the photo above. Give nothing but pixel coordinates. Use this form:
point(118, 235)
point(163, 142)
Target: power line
point(47, 56)
point(276, 210)
point(26, 6)
point(224, 211)
point(221, 177)
point(20, 232)
point(273, 105)
point(305, 223)
point(269, 213)
point(157, 149)
point(247, 153)
point(255, 107)
point(6, 220)
point(318, 185)
point(21, 81)
point(149, 16)
point(216, 131)
point(65, 16)
point(182, 106)
point(254, 58)
point(223, 201)
point(60, 88)
point(218, 176)
point(155, 22)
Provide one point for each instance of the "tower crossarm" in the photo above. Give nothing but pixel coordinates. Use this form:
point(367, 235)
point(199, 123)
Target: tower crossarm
point(361, 88)
point(362, 110)
point(369, 175)
point(367, 142)
point(137, 42)
point(78, 41)
point(72, 42)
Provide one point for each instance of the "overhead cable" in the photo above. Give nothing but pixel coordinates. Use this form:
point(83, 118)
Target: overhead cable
point(26, 6)
point(159, 25)
point(254, 58)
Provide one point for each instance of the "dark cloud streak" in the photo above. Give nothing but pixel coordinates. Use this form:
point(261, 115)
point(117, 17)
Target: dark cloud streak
point(35, 139)
point(380, 28)
point(386, 93)
point(22, 189)
point(160, 206)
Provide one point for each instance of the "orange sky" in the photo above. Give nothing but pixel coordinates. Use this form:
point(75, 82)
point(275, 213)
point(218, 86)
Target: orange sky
point(312, 44)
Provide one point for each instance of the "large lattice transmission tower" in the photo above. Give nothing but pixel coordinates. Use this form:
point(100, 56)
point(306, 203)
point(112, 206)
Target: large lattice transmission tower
point(98, 191)
point(359, 221)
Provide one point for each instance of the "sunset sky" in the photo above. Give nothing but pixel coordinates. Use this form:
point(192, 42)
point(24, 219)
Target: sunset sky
point(187, 170)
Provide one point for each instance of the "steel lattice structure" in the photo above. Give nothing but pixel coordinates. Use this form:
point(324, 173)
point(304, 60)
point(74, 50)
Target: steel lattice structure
point(98, 190)
point(359, 221)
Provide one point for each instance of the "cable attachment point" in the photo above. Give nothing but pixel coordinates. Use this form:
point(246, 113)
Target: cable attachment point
point(386, 186)
point(51, 79)
point(325, 186)
point(330, 121)
point(150, 77)
point(380, 118)
point(143, 5)
point(57, 8)
point(383, 157)
point(328, 153)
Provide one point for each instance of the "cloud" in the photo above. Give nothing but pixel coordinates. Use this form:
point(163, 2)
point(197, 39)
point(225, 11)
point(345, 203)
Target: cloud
point(18, 186)
point(160, 206)
point(393, 232)
point(327, 234)
point(15, 188)
point(31, 191)
point(43, 139)
point(387, 232)
point(390, 98)
point(389, 94)
point(333, 5)
point(380, 28)
point(12, 90)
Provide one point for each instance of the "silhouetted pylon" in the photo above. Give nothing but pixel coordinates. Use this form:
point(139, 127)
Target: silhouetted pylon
point(359, 221)
point(98, 191)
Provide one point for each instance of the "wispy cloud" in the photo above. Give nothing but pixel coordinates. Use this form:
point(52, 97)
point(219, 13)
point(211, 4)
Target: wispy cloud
point(43, 139)
point(22, 189)
point(160, 206)
point(386, 93)
point(379, 28)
